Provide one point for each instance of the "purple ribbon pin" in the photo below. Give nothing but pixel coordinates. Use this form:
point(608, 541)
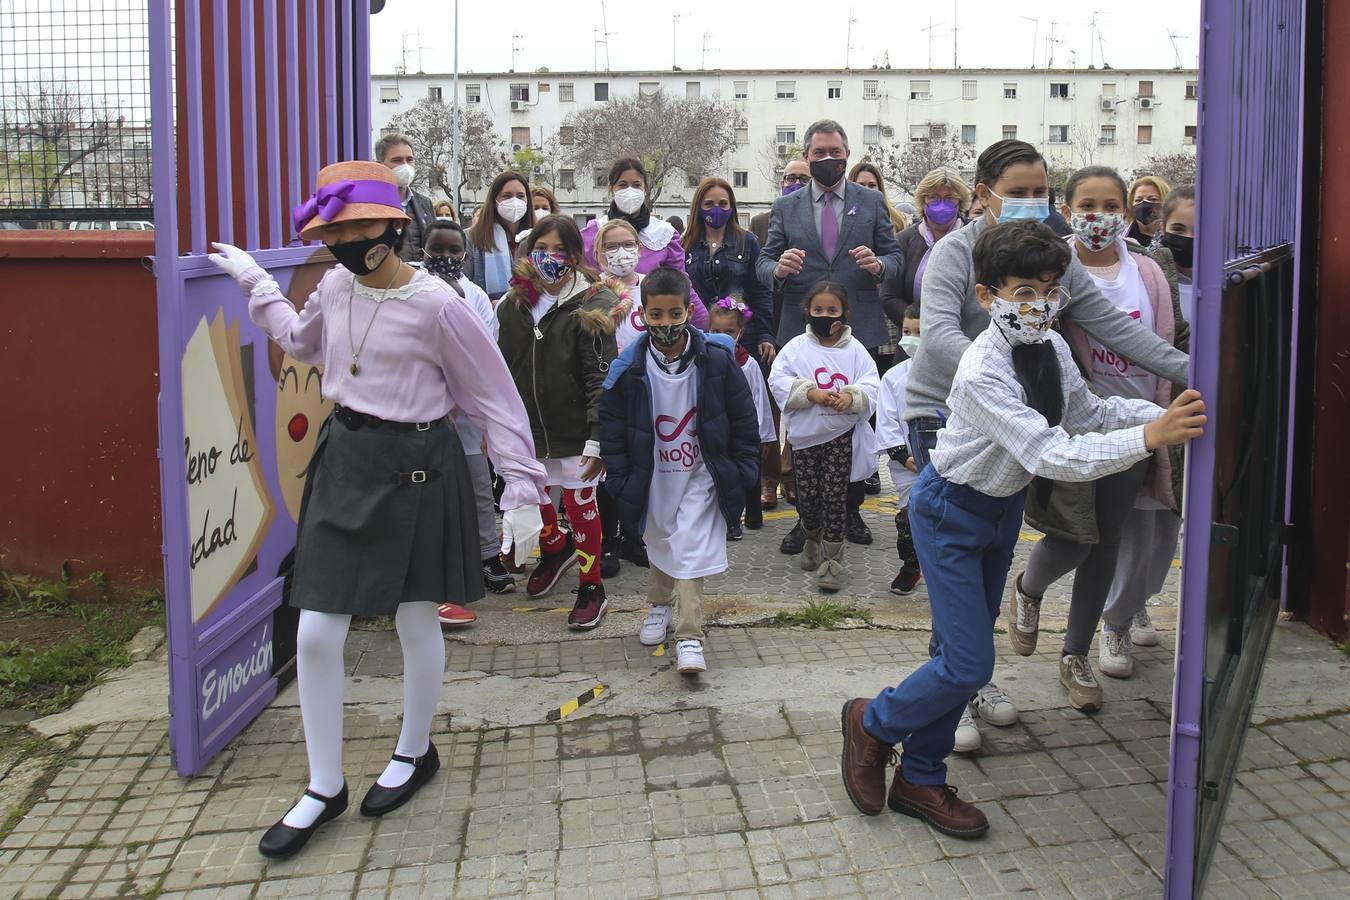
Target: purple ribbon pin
point(330, 199)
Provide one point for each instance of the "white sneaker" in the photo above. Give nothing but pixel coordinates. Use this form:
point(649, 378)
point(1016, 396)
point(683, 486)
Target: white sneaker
point(689, 658)
point(1142, 631)
point(655, 627)
point(993, 705)
point(1114, 652)
point(967, 734)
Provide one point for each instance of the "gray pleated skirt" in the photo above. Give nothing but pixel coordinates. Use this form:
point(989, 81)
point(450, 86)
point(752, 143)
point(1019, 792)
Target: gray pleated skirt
point(370, 538)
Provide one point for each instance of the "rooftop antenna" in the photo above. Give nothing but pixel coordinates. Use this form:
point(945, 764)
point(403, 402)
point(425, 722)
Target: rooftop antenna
point(674, 39)
point(848, 40)
point(515, 48)
point(931, 32)
point(704, 64)
point(1172, 36)
point(605, 33)
point(1035, 31)
point(955, 31)
point(1050, 43)
point(403, 57)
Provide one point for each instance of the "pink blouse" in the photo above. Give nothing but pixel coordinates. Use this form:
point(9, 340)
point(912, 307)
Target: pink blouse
point(427, 352)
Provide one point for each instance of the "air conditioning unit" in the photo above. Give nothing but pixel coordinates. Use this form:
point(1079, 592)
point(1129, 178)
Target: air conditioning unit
point(517, 105)
point(516, 148)
point(784, 149)
point(1108, 104)
point(1147, 102)
point(920, 95)
point(887, 131)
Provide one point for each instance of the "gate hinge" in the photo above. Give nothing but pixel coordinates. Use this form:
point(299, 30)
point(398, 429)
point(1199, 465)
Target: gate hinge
point(1226, 535)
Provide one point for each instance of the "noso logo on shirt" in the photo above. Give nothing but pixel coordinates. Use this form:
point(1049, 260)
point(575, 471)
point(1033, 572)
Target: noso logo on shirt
point(669, 430)
point(834, 381)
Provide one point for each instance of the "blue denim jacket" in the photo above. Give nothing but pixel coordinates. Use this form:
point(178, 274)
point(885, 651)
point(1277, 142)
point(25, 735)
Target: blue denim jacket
point(731, 270)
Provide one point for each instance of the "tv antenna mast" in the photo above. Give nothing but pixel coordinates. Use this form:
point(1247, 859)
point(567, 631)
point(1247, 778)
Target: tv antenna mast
point(515, 48)
point(931, 31)
point(703, 65)
point(675, 39)
point(603, 36)
point(1035, 32)
point(848, 40)
point(1172, 36)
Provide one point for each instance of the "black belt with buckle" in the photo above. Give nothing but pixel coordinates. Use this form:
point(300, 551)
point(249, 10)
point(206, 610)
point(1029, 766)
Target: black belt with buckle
point(358, 420)
point(420, 476)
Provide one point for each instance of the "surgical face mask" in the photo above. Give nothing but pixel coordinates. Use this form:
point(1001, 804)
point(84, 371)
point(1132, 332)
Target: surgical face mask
point(1015, 209)
point(404, 174)
point(667, 335)
point(910, 344)
point(621, 261)
point(1026, 318)
point(364, 255)
point(552, 265)
point(512, 209)
point(1097, 230)
point(629, 200)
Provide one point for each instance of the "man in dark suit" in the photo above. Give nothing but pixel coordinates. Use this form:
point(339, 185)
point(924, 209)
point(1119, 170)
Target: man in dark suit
point(396, 152)
point(833, 230)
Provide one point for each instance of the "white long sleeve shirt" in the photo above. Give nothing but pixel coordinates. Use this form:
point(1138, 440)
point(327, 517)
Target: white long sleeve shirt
point(996, 444)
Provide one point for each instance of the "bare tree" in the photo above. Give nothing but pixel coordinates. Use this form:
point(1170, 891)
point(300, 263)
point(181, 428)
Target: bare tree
point(666, 133)
point(429, 125)
point(1083, 138)
point(772, 158)
point(1174, 168)
point(904, 165)
point(50, 129)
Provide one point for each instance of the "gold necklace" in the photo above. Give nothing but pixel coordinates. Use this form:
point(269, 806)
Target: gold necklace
point(355, 367)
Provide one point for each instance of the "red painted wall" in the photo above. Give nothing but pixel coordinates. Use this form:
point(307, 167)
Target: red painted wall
point(78, 381)
point(1330, 531)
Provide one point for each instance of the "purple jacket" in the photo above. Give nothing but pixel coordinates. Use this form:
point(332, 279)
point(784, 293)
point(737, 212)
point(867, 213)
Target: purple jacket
point(672, 254)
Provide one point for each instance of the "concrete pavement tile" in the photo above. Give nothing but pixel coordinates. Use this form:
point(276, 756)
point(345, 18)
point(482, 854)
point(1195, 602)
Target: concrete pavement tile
point(1335, 883)
point(95, 778)
point(703, 864)
point(233, 892)
point(410, 883)
point(685, 729)
point(1003, 835)
point(1010, 739)
point(772, 758)
point(492, 876)
point(1288, 791)
point(605, 820)
point(231, 857)
point(1152, 755)
point(796, 853)
point(1129, 808)
point(1102, 869)
point(1261, 751)
point(888, 841)
point(1021, 775)
point(123, 739)
point(533, 781)
point(160, 816)
point(335, 885)
point(405, 838)
point(810, 720)
point(699, 768)
point(783, 801)
point(340, 846)
point(1274, 849)
point(512, 829)
point(600, 736)
point(619, 870)
point(107, 871)
point(1335, 775)
point(844, 887)
point(72, 823)
point(743, 725)
point(1328, 829)
point(990, 874)
point(930, 881)
point(1063, 727)
point(1056, 819)
point(602, 776)
point(1103, 765)
point(689, 811)
point(1132, 720)
point(510, 747)
point(36, 871)
point(1243, 805)
point(280, 762)
point(822, 750)
point(1311, 740)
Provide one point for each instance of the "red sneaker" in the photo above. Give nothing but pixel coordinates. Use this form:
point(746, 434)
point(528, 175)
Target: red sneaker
point(551, 568)
point(454, 615)
point(905, 583)
point(590, 608)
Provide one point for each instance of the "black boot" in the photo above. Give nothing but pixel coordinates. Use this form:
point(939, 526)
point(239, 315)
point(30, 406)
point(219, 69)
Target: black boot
point(794, 541)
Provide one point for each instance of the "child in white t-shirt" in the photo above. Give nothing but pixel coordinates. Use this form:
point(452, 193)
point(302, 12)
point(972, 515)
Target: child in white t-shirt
point(826, 384)
point(728, 316)
point(893, 437)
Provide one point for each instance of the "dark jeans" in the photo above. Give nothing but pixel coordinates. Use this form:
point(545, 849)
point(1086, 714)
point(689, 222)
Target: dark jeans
point(923, 433)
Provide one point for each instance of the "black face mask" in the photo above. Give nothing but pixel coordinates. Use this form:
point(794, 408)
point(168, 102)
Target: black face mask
point(450, 267)
point(1145, 212)
point(364, 255)
point(827, 172)
point(1182, 247)
point(821, 325)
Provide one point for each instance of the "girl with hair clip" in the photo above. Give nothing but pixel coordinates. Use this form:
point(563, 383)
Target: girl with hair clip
point(730, 316)
point(386, 525)
point(558, 340)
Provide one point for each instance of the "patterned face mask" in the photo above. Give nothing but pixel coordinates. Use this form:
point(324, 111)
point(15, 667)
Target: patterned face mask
point(445, 266)
point(552, 265)
point(1026, 317)
point(1097, 230)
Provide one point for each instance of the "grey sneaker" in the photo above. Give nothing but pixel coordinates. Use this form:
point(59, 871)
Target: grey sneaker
point(993, 705)
point(1085, 694)
point(1115, 652)
point(1142, 631)
point(1026, 620)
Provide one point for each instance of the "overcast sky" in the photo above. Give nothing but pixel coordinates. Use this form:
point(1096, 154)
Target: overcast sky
point(759, 34)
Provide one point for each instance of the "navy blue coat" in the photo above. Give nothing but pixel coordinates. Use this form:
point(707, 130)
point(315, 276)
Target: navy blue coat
point(728, 429)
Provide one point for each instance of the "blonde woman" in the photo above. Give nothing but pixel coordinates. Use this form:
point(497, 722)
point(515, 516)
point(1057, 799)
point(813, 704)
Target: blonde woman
point(1146, 202)
point(943, 201)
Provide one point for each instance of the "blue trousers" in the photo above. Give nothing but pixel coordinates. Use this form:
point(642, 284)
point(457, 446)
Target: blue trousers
point(965, 541)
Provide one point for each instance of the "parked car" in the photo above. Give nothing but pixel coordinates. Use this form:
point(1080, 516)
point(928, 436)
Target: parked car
point(113, 225)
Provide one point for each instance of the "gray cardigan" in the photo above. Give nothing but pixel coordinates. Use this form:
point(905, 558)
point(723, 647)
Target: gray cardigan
point(952, 317)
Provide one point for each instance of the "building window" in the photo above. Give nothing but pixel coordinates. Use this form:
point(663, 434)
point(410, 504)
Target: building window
point(871, 134)
point(602, 90)
point(742, 136)
point(566, 92)
point(920, 90)
point(785, 135)
point(545, 87)
point(1059, 134)
point(1009, 90)
point(1108, 134)
point(1059, 90)
point(1010, 132)
point(969, 90)
point(691, 181)
point(600, 177)
point(388, 94)
point(834, 90)
point(918, 134)
point(567, 135)
point(474, 179)
point(740, 179)
point(1189, 138)
point(520, 92)
point(520, 135)
point(647, 88)
point(473, 93)
point(785, 90)
point(967, 134)
point(567, 179)
point(1145, 89)
point(434, 93)
point(1108, 88)
point(740, 90)
point(869, 89)
point(1192, 90)
point(692, 90)
point(1145, 134)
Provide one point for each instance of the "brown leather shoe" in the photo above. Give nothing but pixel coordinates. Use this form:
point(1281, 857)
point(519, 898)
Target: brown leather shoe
point(863, 761)
point(937, 805)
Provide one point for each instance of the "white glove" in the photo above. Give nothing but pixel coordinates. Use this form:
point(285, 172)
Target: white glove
point(232, 261)
point(520, 529)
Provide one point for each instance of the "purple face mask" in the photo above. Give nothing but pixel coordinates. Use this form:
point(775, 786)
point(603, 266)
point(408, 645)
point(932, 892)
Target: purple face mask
point(792, 188)
point(717, 216)
point(940, 212)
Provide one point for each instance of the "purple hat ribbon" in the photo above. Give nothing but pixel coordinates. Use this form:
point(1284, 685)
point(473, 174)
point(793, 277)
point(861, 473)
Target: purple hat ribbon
point(330, 199)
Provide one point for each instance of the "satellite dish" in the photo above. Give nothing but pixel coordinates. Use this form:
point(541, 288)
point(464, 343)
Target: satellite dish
point(376, 6)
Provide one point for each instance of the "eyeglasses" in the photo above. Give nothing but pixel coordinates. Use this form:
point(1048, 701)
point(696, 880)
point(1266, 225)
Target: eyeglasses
point(796, 179)
point(625, 245)
point(1028, 301)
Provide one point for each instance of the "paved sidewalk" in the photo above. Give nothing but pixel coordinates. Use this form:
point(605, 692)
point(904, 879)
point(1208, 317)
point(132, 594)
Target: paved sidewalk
point(726, 785)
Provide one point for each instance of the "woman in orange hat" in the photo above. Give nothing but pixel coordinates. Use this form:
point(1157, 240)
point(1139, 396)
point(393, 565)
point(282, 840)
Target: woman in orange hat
point(387, 525)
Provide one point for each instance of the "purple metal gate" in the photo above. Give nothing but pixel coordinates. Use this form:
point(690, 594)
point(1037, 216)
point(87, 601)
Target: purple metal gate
point(1242, 340)
point(250, 100)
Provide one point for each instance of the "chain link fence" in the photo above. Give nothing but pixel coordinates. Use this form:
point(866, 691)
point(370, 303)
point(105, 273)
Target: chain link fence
point(75, 114)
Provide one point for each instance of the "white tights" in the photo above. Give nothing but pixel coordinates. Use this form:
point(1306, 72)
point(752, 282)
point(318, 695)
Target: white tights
point(320, 677)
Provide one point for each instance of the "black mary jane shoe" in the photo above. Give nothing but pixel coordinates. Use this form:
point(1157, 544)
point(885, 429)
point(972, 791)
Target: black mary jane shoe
point(282, 840)
point(380, 800)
